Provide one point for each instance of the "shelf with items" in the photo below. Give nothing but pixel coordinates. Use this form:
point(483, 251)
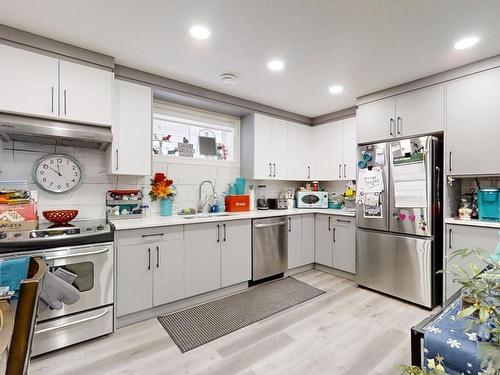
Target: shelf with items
point(124, 204)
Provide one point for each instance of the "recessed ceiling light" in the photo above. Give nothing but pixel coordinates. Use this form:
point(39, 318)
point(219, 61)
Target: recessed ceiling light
point(199, 32)
point(228, 79)
point(336, 89)
point(276, 65)
point(466, 42)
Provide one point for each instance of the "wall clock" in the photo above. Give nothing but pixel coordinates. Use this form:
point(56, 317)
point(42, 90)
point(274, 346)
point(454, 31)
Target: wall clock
point(58, 173)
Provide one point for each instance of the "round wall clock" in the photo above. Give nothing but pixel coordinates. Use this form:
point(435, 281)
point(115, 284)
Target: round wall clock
point(57, 173)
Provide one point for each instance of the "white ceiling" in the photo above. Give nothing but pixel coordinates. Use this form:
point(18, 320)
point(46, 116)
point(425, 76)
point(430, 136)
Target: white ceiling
point(364, 45)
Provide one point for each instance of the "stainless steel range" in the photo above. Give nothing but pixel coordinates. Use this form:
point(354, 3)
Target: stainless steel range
point(84, 248)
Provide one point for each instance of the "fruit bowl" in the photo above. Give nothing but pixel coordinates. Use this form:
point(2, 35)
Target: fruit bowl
point(60, 216)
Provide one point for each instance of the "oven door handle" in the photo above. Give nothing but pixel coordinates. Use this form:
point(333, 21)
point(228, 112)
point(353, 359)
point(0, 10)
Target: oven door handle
point(100, 251)
point(83, 320)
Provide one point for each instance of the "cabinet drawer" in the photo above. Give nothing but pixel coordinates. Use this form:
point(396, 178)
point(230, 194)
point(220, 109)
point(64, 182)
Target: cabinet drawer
point(145, 236)
point(343, 221)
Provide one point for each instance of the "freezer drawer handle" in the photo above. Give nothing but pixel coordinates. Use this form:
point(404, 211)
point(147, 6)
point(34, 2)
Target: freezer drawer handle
point(72, 323)
point(269, 224)
point(100, 251)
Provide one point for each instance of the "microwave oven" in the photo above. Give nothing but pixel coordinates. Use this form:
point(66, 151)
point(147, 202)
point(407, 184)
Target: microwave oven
point(312, 199)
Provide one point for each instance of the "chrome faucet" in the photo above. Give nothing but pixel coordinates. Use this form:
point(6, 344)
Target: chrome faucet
point(203, 204)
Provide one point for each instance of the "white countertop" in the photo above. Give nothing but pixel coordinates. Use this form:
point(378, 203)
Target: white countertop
point(473, 222)
point(161, 221)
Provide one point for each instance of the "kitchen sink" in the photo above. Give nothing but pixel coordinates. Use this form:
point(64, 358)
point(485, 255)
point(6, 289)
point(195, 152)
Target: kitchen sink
point(199, 216)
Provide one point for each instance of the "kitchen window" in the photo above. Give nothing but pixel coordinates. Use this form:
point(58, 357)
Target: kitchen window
point(188, 135)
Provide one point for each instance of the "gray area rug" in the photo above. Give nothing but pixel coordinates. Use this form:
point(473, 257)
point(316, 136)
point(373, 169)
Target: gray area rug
point(198, 325)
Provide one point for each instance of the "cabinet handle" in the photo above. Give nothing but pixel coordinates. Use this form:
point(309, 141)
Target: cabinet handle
point(308, 172)
point(157, 257)
point(289, 224)
point(218, 233)
point(270, 170)
point(340, 170)
point(345, 174)
point(224, 226)
point(64, 95)
point(151, 235)
point(116, 159)
point(149, 258)
point(391, 123)
point(334, 236)
point(449, 238)
point(329, 223)
point(449, 161)
point(274, 166)
point(398, 125)
point(52, 99)
point(343, 221)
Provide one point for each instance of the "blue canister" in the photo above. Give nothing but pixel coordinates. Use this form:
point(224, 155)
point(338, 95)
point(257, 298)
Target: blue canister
point(240, 185)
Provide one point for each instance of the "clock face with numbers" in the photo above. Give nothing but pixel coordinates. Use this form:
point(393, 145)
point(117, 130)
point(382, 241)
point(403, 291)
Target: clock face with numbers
point(58, 173)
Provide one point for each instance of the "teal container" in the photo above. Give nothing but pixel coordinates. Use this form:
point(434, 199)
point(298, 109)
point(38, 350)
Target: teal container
point(240, 185)
point(166, 207)
point(489, 204)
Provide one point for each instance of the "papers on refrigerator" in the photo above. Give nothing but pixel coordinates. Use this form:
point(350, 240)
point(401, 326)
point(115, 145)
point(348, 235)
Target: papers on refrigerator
point(373, 181)
point(410, 181)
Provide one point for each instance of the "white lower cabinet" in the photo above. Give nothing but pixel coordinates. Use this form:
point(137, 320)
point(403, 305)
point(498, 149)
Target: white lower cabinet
point(466, 237)
point(335, 242)
point(150, 268)
point(300, 240)
point(236, 252)
point(217, 254)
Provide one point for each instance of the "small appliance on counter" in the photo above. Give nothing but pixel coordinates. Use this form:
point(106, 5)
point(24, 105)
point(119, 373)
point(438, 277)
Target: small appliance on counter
point(124, 204)
point(261, 198)
point(312, 199)
point(489, 204)
point(237, 203)
point(277, 204)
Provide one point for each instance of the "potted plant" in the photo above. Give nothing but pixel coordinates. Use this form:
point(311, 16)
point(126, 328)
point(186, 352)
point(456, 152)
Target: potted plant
point(163, 189)
point(480, 306)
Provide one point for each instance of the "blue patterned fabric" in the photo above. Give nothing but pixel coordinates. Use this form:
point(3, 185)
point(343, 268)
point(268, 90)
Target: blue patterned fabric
point(13, 271)
point(444, 338)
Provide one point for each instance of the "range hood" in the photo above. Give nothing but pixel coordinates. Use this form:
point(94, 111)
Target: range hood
point(15, 128)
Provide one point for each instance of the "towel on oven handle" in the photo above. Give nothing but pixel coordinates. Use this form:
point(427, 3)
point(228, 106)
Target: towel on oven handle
point(57, 289)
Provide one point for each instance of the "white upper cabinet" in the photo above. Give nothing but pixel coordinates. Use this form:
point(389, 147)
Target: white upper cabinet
point(420, 112)
point(299, 152)
point(38, 85)
point(414, 113)
point(328, 151)
point(131, 148)
point(264, 148)
point(473, 125)
point(86, 93)
point(276, 149)
point(279, 149)
point(29, 82)
point(376, 120)
point(350, 149)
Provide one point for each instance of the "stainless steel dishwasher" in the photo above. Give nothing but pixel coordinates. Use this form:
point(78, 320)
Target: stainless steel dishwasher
point(269, 247)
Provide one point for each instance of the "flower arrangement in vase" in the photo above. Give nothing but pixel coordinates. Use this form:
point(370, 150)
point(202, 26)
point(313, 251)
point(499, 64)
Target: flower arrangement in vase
point(163, 189)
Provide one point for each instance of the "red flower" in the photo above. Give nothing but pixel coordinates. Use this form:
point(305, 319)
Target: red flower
point(159, 177)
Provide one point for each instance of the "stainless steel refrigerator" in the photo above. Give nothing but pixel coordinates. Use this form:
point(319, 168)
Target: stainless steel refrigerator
point(399, 219)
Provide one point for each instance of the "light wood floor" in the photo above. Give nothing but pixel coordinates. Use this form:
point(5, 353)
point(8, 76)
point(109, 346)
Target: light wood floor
point(347, 330)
